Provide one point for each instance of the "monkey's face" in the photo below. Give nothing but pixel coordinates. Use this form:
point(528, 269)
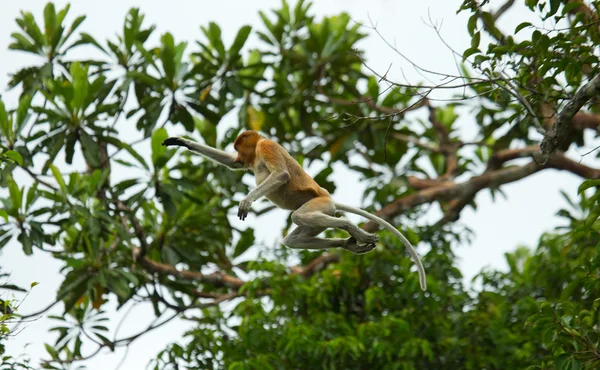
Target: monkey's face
point(245, 145)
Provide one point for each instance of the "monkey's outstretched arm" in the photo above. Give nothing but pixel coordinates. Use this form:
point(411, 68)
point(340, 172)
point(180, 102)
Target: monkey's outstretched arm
point(216, 155)
point(271, 183)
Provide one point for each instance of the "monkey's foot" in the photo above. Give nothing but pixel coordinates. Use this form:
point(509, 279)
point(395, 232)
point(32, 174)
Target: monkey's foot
point(176, 140)
point(357, 247)
point(364, 237)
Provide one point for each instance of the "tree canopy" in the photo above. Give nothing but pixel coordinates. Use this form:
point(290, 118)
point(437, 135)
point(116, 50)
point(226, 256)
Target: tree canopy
point(161, 233)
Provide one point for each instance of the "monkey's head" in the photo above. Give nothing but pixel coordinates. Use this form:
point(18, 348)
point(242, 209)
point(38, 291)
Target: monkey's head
point(245, 145)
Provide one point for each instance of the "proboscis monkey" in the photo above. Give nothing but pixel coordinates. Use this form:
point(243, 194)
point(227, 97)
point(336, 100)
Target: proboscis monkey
point(281, 179)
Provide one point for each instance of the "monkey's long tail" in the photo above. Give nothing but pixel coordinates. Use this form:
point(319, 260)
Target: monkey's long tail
point(393, 230)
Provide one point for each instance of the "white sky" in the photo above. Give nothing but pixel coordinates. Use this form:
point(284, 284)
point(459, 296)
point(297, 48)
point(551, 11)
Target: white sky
point(500, 227)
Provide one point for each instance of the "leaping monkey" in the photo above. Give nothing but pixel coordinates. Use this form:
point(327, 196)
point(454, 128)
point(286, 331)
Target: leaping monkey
point(281, 179)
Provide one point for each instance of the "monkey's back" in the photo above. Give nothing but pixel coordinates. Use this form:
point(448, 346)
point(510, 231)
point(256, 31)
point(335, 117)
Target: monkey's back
point(299, 189)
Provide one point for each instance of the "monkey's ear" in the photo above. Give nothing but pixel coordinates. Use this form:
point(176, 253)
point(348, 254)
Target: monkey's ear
point(173, 141)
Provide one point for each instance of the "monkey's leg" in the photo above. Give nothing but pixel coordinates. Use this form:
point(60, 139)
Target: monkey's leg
point(305, 238)
point(318, 213)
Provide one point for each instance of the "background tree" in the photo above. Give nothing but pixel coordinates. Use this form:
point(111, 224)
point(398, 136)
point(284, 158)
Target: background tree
point(161, 235)
point(9, 320)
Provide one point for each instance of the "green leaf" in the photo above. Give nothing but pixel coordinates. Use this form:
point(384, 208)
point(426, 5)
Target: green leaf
point(373, 88)
point(85, 38)
point(49, 22)
point(207, 130)
point(554, 5)
point(213, 33)
point(467, 53)
point(81, 85)
point(587, 184)
point(76, 23)
point(125, 184)
point(144, 78)
point(239, 42)
point(89, 149)
point(33, 284)
point(167, 56)
point(16, 195)
point(571, 5)
point(472, 24)
point(170, 256)
point(206, 112)
point(245, 242)
point(3, 114)
point(4, 215)
point(29, 25)
point(182, 115)
point(23, 110)
point(475, 40)
point(31, 195)
point(592, 217)
point(573, 73)
point(59, 179)
point(15, 156)
point(135, 155)
point(596, 304)
point(22, 43)
point(51, 351)
point(70, 147)
point(158, 150)
point(25, 241)
point(521, 26)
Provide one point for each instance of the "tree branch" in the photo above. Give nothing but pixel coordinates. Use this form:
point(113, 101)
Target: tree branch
point(583, 120)
point(563, 123)
point(449, 191)
point(507, 5)
point(420, 184)
point(470, 188)
point(216, 278)
point(316, 265)
point(418, 143)
point(137, 228)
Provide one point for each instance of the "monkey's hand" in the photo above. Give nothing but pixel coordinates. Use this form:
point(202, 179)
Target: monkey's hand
point(244, 207)
point(176, 140)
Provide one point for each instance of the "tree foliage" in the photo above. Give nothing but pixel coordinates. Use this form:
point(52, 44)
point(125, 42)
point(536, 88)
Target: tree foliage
point(85, 180)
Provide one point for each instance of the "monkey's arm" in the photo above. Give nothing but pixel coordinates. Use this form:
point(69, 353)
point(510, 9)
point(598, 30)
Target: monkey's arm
point(216, 155)
point(271, 183)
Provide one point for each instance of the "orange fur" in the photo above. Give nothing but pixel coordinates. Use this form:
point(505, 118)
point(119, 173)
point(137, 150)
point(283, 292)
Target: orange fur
point(264, 156)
